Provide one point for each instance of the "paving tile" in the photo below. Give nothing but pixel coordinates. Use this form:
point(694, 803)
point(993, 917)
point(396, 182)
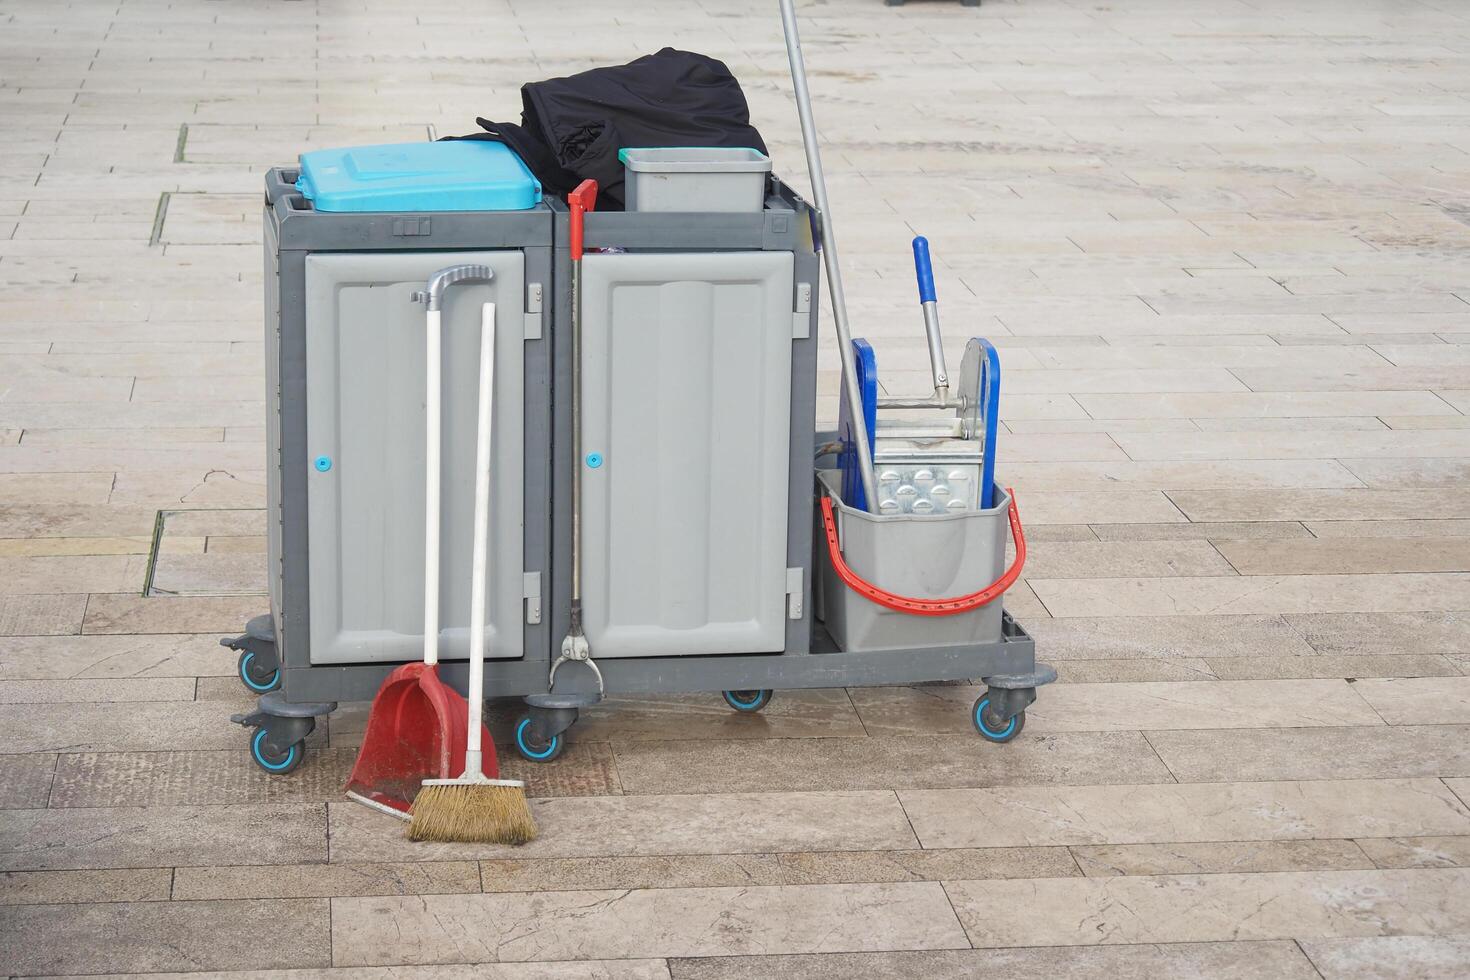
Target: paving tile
point(25, 780)
point(1390, 529)
point(121, 656)
point(1255, 594)
point(636, 825)
point(1106, 559)
point(151, 936)
point(1218, 960)
point(57, 519)
point(1418, 700)
point(1389, 957)
point(1273, 404)
point(194, 776)
point(86, 691)
point(795, 714)
point(151, 837)
point(1347, 555)
point(1122, 706)
point(563, 970)
point(1430, 632)
point(1112, 637)
point(1200, 475)
point(1323, 505)
point(1209, 531)
point(326, 881)
point(132, 614)
point(779, 765)
point(70, 887)
point(660, 922)
point(1101, 860)
point(789, 868)
point(1330, 665)
point(1096, 507)
point(41, 615)
point(39, 547)
point(1418, 852)
point(1309, 753)
point(1133, 671)
point(140, 726)
point(1032, 816)
point(1205, 908)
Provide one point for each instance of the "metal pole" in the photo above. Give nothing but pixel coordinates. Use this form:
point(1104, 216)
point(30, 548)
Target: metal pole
point(829, 253)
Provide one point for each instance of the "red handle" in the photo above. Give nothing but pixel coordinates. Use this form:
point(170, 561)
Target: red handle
point(581, 200)
point(926, 607)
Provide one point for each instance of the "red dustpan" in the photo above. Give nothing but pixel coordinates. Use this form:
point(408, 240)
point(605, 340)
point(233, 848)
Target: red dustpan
point(416, 730)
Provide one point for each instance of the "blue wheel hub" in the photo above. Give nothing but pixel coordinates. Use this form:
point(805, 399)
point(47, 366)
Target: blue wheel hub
point(988, 729)
point(747, 702)
point(269, 762)
point(248, 675)
point(527, 746)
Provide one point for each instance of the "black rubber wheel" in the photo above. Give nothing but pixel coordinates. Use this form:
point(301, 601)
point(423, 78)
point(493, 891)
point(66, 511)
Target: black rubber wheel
point(253, 677)
point(277, 764)
point(533, 749)
point(748, 702)
point(991, 728)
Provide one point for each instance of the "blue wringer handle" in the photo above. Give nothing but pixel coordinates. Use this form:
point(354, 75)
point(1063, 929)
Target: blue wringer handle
point(924, 269)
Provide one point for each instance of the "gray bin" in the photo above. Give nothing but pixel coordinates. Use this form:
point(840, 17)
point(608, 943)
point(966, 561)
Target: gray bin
point(695, 178)
point(928, 556)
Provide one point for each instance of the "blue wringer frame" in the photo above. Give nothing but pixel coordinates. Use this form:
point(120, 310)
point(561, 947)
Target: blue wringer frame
point(943, 464)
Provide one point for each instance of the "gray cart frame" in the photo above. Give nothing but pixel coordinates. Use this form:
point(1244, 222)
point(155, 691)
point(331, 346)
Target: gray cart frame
point(810, 658)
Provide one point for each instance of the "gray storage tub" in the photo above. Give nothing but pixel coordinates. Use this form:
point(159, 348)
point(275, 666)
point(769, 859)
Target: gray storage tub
point(695, 178)
point(923, 556)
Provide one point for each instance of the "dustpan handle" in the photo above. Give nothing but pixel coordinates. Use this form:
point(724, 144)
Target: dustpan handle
point(925, 607)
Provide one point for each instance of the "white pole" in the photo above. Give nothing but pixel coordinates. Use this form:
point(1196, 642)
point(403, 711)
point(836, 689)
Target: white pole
point(829, 253)
point(473, 763)
point(431, 493)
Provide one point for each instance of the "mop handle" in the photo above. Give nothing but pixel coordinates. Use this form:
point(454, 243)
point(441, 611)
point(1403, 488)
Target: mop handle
point(483, 430)
point(431, 492)
point(579, 202)
point(829, 252)
point(925, 607)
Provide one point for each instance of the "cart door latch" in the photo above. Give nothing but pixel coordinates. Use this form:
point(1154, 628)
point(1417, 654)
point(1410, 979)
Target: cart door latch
point(531, 592)
point(795, 594)
point(801, 313)
point(534, 292)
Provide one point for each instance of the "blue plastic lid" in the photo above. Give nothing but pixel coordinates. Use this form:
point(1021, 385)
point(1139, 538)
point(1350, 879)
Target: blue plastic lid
point(453, 175)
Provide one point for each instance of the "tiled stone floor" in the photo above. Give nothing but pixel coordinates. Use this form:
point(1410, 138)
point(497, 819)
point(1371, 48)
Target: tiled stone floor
point(1225, 249)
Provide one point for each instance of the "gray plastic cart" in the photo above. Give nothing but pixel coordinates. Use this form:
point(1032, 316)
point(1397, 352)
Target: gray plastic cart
point(700, 350)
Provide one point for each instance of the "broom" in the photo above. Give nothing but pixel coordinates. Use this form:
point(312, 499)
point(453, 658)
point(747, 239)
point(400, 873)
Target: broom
point(474, 808)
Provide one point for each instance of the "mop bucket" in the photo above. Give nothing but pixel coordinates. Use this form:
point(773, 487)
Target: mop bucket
point(897, 581)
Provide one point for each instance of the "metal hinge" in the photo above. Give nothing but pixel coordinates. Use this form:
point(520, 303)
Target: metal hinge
point(795, 602)
point(801, 316)
point(531, 592)
point(534, 293)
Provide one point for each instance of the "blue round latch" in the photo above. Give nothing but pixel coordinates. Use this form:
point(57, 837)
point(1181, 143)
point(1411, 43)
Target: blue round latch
point(594, 460)
point(323, 463)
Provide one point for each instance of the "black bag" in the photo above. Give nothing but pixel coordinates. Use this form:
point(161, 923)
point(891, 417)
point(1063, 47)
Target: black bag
point(572, 128)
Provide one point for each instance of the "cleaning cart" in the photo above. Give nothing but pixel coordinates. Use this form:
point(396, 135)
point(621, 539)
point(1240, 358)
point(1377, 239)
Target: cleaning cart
point(665, 517)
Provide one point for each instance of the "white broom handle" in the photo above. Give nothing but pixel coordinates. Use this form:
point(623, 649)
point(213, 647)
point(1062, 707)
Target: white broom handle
point(431, 492)
point(483, 429)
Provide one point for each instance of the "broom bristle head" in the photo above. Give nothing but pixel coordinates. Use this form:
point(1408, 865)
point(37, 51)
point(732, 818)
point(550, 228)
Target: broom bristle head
point(472, 814)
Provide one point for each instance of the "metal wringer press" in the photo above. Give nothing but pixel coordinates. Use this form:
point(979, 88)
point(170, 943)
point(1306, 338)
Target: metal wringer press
point(941, 464)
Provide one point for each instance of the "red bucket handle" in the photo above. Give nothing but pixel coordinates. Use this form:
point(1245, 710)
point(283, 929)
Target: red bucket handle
point(926, 607)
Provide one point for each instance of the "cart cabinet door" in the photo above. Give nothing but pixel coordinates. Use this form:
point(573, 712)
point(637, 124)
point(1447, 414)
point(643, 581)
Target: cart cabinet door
point(365, 443)
point(686, 382)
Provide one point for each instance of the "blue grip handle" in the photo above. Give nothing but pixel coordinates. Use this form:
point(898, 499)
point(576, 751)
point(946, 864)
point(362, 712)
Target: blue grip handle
point(924, 270)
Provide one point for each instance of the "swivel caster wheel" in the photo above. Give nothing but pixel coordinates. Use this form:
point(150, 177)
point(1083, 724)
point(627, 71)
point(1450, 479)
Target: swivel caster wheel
point(748, 702)
point(532, 747)
point(276, 763)
point(254, 677)
point(991, 726)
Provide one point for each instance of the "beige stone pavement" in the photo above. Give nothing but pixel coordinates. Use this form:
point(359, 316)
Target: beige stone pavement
point(1224, 247)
